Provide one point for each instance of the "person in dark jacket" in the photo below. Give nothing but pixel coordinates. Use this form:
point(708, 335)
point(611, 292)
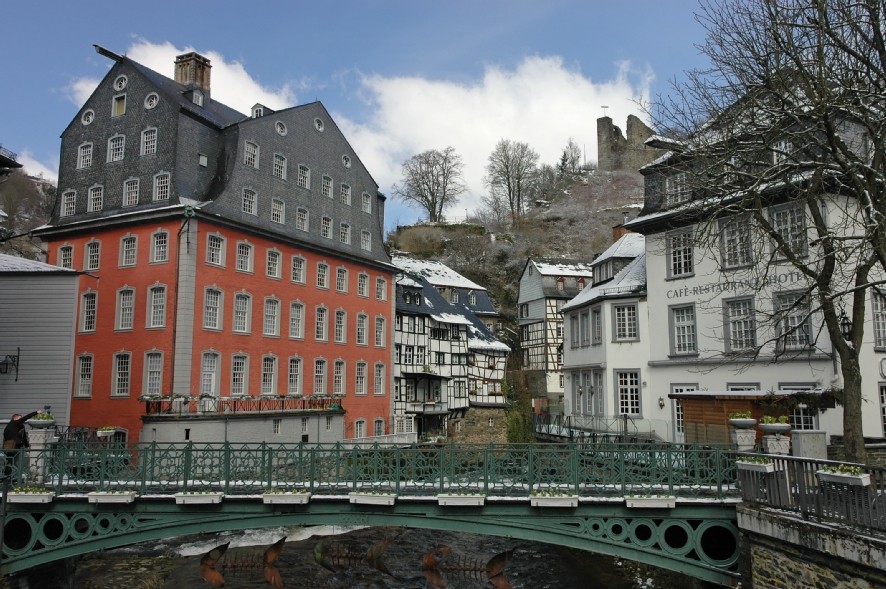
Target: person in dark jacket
point(15, 437)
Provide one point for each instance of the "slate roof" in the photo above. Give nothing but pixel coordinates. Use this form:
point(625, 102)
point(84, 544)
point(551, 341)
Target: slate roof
point(439, 274)
point(631, 281)
point(15, 265)
point(562, 267)
point(629, 245)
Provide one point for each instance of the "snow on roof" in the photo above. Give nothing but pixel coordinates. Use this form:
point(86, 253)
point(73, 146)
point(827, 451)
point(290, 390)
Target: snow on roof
point(434, 272)
point(629, 245)
point(658, 161)
point(450, 318)
point(15, 264)
point(407, 280)
point(553, 267)
point(631, 279)
point(485, 345)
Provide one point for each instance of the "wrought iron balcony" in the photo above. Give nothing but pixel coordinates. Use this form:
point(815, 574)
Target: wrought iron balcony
point(430, 407)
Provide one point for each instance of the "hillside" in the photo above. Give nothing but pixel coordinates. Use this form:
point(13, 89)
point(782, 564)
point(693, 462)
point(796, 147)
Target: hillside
point(575, 223)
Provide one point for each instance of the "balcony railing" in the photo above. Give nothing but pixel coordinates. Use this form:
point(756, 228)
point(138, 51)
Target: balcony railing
point(427, 407)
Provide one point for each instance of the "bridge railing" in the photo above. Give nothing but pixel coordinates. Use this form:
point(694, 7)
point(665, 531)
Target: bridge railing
point(603, 470)
point(807, 487)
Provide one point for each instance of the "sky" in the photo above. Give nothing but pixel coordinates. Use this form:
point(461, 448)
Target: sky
point(399, 77)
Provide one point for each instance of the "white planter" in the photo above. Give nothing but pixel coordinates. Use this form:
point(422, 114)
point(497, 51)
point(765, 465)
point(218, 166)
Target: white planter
point(652, 502)
point(105, 433)
point(286, 498)
point(554, 501)
point(461, 500)
point(755, 466)
point(856, 480)
point(744, 439)
point(775, 428)
point(372, 498)
point(109, 497)
point(13, 497)
point(776, 444)
point(198, 498)
point(742, 422)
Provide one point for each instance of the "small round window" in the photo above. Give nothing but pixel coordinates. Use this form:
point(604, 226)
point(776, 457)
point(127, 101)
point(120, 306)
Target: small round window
point(151, 100)
point(346, 160)
point(281, 128)
point(87, 117)
point(318, 124)
point(120, 82)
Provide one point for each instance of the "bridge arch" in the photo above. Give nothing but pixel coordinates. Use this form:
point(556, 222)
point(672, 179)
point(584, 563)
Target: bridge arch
point(697, 540)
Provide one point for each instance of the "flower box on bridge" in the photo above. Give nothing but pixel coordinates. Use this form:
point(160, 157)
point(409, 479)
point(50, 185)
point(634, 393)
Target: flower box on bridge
point(29, 497)
point(287, 498)
point(651, 501)
point(111, 496)
point(369, 498)
point(472, 500)
point(755, 466)
point(842, 478)
point(554, 501)
point(197, 498)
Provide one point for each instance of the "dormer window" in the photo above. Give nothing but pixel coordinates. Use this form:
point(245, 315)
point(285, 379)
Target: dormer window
point(561, 284)
point(257, 111)
point(676, 188)
point(782, 151)
point(581, 283)
point(197, 98)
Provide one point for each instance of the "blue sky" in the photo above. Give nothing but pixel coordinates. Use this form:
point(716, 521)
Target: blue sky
point(398, 76)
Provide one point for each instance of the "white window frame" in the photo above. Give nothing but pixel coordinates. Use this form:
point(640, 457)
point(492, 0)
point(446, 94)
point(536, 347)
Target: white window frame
point(249, 202)
point(271, 322)
point(326, 227)
point(213, 308)
point(740, 324)
point(381, 332)
point(92, 255)
point(793, 321)
point(269, 375)
point(69, 203)
point(683, 331)
point(149, 141)
point(215, 255)
point(363, 285)
point(323, 275)
point(162, 186)
point(341, 279)
point(159, 247)
point(278, 211)
point(121, 374)
point(304, 177)
point(245, 252)
point(273, 266)
point(302, 219)
point(366, 240)
point(128, 251)
point(320, 376)
point(344, 194)
point(296, 320)
point(295, 376)
point(326, 187)
point(88, 311)
point(239, 375)
point(84, 156)
point(321, 324)
point(298, 269)
point(242, 313)
point(125, 320)
point(251, 154)
point(878, 318)
point(366, 202)
point(279, 166)
point(625, 322)
point(628, 392)
point(680, 254)
point(96, 199)
point(379, 380)
point(85, 375)
point(116, 148)
point(152, 379)
point(156, 313)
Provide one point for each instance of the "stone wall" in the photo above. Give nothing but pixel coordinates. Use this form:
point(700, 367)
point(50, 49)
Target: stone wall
point(476, 428)
point(876, 451)
point(618, 152)
point(784, 552)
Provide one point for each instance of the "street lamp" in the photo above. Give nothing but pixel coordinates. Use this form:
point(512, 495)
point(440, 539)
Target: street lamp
point(845, 326)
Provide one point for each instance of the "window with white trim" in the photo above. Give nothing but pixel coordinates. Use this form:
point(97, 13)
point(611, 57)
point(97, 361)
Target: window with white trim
point(215, 250)
point(381, 289)
point(366, 203)
point(676, 188)
point(294, 380)
point(88, 311)
point(789, 222)
point(242, 313)
point(249, 206)
point(301, 219)
point(130, 192)
point(269, 375)
point(360, 379)
point(128, 250)
point(322, 275)
point(298, 269)
point(279, 166)
point(680, 254)
point(116, 148)
point(683, 338)
point(84, 156)
point(125, 308)
point(340, 326)
point(878, 317)
point(161, 187)
point(122, 374)
point(782, 151)
point(326, 187)
point(379, 427)
point(157, 306)
point(93, 255)
point(209, 374)
point(344, 233)
point(66, 256)
point(84, 376)
point(296, 320)
point(627, 386)
point(319, 376)
point(379, 379)
point(360, 428)
point(341, 280)
point(239, 370)
point(735, 242)
point(794, 323)
point(596, 325)
point(149, 142)
point(366, 240)
point(740, 324)
point(362, 330)
point(250, 154)
point(625, 321)
point(321, 321)
point(160, 247)
point(118, 105)
point(272, 264)
point(271, 324)
point(304, 177)
point(278, 211)
point(344, 195)
point(338, 377)
point(380, 332)
point(363, 285)
point(244, 257)
point(326, 227)
point(153, 373)
point(212, 308)
point(69, 203)
point(96, 199)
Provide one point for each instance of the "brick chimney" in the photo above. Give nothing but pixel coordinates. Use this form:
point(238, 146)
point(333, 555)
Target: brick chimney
point(619, 231)
point(192, 69)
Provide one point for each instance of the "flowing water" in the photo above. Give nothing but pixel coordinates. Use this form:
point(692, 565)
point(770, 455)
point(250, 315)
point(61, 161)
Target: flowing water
point(338, 558)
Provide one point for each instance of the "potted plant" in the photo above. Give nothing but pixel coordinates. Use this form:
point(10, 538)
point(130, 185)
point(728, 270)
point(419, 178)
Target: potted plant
point(200, 497)
point(774, 425)
point(111, 496)
point(754, 464)
point(741, 419)
point(286, 495)
point(106, 431)
point(552, 498)
point(30, 494)
point(844, 474)
point(372, 496)
point(42, 419)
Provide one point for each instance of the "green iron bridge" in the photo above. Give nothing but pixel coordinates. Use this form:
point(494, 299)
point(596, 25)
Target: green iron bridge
point(672, 505)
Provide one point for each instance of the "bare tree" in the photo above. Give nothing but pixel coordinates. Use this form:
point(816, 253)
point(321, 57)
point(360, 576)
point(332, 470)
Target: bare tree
point(782, 147)
point(572, 156)
point(510, 174)
point(432, 180)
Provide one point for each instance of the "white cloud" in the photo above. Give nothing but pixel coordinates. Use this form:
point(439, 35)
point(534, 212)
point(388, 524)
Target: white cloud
point(34, 168)
point(541, 102)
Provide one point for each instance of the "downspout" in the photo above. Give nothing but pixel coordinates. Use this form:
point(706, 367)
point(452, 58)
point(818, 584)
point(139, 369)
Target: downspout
point(189, 213)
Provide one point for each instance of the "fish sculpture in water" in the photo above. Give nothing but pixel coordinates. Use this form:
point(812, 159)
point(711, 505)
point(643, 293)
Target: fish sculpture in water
point(441, 562)
point(214, 561)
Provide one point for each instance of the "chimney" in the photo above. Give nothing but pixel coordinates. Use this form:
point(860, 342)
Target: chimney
point(619, 231)
point(192, 69)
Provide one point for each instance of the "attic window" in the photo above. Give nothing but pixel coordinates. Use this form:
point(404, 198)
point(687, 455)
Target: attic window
point(472, 298)
point(120, 82)
point(561, 283)
point(318, 124)
point(531, 270)
point(581, 283)
point(87, 117)
point(118, 107)
point(197, 98)
point(257, 111)
point(346, 161)
point(281, 128)
point(151, 100)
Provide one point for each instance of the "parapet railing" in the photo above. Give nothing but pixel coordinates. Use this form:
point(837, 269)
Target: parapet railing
point(811, 489)
point(605, 470)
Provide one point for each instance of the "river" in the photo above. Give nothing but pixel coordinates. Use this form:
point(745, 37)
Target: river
point(451, 561)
